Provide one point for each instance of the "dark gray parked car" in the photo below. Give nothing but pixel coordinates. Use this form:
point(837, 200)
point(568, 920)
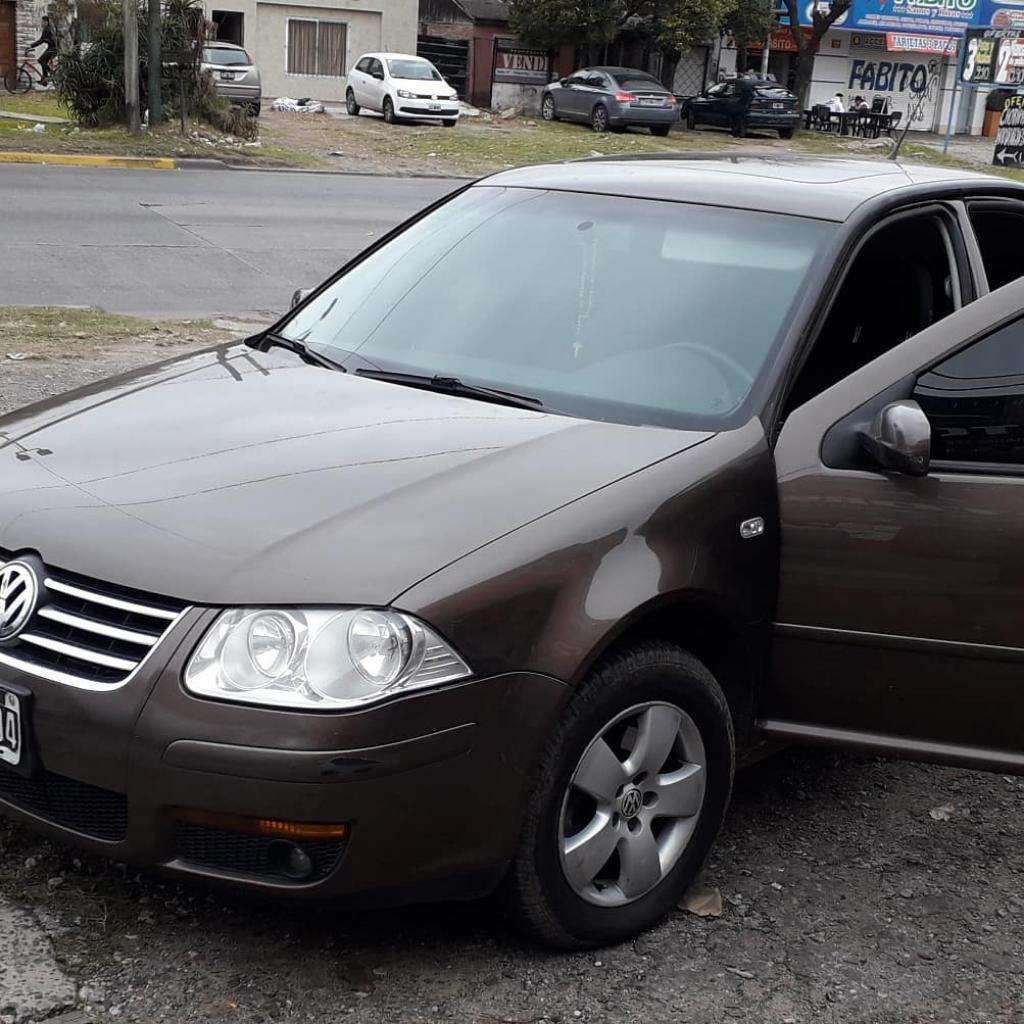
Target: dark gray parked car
point(611, 98)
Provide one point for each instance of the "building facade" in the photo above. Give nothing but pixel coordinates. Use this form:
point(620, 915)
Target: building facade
point(20, 23)
point(306, 47)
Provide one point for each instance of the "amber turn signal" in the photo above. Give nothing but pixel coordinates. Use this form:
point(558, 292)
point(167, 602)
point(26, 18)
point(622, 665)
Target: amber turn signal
point(261, 826)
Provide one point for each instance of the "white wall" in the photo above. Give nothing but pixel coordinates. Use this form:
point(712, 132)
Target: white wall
point(372, 25)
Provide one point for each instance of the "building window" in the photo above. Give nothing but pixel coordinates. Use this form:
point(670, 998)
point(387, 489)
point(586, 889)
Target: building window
point(230, 27)
point(316, 48)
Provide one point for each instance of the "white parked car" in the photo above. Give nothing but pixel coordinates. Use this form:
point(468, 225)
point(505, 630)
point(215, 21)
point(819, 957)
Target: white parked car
point(401, 87)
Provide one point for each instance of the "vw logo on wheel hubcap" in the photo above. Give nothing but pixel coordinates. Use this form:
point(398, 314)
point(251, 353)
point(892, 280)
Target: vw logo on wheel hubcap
point(19, 595)
point(632, 801)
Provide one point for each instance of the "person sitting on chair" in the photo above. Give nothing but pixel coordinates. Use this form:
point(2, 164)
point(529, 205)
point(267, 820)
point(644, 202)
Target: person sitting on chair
point(860, 105)
point(47, 38)
point(836, 104)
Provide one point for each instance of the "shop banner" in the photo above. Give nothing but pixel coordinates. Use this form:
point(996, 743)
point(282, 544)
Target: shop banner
point(903, 42)
point(1002, 14)
point(1010, 137)
point(932, 17)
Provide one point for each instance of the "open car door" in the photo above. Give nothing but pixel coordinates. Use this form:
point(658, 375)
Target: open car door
point(900, 621)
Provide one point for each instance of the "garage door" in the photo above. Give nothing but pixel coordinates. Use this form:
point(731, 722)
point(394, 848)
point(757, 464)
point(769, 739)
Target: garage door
point(450, 57)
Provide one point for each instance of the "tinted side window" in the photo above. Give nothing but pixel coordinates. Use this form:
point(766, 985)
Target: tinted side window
point(999, 228)
point(975, 401)
point(363, 65)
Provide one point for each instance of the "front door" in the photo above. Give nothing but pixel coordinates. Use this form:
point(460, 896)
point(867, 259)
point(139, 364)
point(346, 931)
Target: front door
point(8, 48)
point(900, 621)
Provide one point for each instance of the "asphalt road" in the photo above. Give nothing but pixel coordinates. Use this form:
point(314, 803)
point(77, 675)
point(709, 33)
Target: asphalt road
point(187, 243)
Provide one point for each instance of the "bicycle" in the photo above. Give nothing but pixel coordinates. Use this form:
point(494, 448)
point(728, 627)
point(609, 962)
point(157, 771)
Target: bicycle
point(22, 78)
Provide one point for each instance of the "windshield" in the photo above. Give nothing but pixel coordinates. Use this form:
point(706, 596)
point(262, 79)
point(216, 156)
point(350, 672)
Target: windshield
point(637, 80)
point(416, 70)
point(225, 57)
point(774, 92)
point(631, 310)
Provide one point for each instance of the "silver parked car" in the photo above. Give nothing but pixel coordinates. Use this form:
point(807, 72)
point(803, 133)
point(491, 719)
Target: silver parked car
point(611, 98)
point(235, 75)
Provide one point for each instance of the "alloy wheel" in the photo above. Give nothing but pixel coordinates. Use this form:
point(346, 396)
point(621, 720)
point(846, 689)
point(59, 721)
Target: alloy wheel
point(632, 804)
point(599, 120)
point(547, 109)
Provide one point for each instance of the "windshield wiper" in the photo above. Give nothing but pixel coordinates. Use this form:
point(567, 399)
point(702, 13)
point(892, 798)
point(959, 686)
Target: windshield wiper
point(454, 386)
point(308, 355)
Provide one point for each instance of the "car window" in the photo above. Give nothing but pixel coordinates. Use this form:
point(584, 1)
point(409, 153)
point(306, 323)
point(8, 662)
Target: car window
point(901, 281)
point(597, 81)
point(528, 291)
point(999, 227)
point(773, 92)
point(975, 401)
point(223, 57)
point(717, 90)
point(637, 80)
point(364, 65)
point(415, 70)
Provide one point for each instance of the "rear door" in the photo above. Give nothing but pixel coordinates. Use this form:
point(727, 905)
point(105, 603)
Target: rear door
point(900, 621)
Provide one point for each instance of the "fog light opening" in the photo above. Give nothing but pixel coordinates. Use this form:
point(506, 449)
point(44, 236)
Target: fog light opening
point(289, 859)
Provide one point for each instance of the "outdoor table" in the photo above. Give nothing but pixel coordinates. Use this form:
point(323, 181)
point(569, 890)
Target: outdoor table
point(845, 121)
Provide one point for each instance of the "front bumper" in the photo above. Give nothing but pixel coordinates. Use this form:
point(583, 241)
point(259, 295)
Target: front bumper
point(238, 93)
point(422, 108)
point(432, 786)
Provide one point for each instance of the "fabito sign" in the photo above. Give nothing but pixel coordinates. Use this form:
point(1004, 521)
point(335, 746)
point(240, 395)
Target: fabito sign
point(1010, 137)
point(934, 17)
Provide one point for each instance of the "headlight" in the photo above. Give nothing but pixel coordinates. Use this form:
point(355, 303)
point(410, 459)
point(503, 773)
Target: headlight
point(319, 658)
point(406, 95)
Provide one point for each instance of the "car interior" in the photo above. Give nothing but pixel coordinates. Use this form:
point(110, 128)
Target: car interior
point(999, 227)
point(900, 282)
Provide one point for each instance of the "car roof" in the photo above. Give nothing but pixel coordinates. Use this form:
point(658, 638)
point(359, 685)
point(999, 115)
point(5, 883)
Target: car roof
point(826, 188)
point(217, 44)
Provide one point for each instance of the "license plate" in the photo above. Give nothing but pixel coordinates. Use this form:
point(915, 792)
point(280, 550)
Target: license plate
point(651, 102)
point(11, 728)
point(779, 106)
point(227, 76)
point(434, 106)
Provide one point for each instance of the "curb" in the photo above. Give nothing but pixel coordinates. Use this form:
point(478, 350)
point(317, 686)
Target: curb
point(153, 163)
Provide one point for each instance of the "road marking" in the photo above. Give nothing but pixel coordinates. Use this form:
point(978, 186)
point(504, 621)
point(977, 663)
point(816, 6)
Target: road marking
point(151, 163)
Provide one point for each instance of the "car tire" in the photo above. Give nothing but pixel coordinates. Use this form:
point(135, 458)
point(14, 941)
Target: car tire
point(599, 118)
point(786, 133)
point(388, 110)
point(547, 109)
point(450, 122)
point(255, 107)
point(661, 130)
point(547, 897)
point(739, 127)
point(351, 106)
point(691, 121)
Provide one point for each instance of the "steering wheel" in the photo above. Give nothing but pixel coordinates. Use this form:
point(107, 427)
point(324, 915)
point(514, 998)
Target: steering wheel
point(720, 360)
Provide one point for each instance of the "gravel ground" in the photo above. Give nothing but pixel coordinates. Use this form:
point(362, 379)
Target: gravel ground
point(853, 890)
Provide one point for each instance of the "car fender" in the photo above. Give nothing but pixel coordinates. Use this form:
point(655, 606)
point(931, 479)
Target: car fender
point(555, 594)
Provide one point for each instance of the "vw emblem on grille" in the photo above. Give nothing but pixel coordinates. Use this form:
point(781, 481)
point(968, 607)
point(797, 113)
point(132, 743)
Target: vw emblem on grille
point(19, 595)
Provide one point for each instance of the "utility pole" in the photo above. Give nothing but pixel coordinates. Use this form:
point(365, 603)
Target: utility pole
point(156, 112)
point(764, 55)
point(131, 65)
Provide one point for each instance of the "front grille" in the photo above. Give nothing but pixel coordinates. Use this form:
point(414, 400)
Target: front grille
point(254, 855)
point(96, 812)
point(87, 632)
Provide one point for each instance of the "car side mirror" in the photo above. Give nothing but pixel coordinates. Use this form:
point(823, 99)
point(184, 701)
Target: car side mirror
point(299, 296)
point(900, 438)
point(564, 82)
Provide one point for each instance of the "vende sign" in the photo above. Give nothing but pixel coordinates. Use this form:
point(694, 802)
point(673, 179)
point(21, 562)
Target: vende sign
point(520, 65)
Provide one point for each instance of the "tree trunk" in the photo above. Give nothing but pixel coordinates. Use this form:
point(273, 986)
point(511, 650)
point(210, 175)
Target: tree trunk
point(156, 112)
point(131, 66)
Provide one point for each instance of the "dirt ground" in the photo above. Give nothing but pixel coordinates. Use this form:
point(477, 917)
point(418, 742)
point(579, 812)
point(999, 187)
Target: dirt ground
point(854, 890)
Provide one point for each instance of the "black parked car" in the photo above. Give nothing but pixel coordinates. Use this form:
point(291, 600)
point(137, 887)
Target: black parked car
point(611, 98)
point(742, 103)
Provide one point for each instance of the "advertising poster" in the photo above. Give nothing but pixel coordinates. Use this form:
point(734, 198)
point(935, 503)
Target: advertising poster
point(1010, 138)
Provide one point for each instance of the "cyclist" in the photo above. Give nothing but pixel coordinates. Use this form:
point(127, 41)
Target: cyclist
point(47, 38)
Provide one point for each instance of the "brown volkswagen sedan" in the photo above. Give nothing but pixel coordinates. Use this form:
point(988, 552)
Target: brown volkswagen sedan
point(478, 568)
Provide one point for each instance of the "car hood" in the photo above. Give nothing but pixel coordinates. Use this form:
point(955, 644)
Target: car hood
point(236, 476)
point(420, 85)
